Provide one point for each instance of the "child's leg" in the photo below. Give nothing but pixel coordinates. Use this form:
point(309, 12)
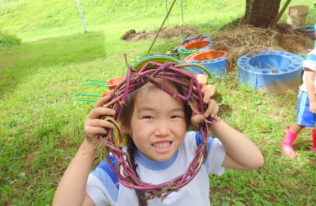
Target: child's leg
point(314, 139)
point(295, 128)
point(289, 137)
point(305, 118)
point(292, 131)
point(314, 133)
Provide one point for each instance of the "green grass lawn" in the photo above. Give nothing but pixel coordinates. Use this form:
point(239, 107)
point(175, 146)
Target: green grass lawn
point(41, 125)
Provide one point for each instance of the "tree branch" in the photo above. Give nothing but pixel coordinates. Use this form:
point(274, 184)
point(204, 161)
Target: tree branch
point(277, 18)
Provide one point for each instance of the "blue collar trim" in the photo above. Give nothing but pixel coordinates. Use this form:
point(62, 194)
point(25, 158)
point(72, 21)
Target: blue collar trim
point(154, 165)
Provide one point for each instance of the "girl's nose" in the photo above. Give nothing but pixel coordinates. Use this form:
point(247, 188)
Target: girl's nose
point(162, 129)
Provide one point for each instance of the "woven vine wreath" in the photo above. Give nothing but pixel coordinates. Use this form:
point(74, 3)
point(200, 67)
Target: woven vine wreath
point(113, 140)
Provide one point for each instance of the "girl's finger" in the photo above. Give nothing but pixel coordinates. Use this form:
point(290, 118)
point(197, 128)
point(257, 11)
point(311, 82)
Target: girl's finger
point(209, 92)
point(100, 111)
point(197, 119)
point(212, 109)
point(215, 111)
point(101, 101)
point(94, 131)
point(100, 123)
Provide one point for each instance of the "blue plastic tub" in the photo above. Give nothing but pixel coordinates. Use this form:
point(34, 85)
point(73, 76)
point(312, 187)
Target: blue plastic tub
point(217, 66)
point(198, 45)
point(271, 70)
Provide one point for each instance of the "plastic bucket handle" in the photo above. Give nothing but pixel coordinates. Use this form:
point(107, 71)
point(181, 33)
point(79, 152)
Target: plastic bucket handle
point(78, 97)
point(92, 82)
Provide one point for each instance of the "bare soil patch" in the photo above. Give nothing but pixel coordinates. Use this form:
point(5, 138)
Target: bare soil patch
point(177, 31)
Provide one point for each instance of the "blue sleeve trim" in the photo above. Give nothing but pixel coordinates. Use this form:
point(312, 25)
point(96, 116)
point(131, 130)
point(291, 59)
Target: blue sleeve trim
point(106, 168)
point(107, 177)
point(311, 56)
point(199, 139)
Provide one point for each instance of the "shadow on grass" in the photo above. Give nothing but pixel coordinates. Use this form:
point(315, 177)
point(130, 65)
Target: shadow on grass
point(20, 62)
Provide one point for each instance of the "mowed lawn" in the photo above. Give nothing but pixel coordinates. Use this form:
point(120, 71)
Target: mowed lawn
point(41, 124)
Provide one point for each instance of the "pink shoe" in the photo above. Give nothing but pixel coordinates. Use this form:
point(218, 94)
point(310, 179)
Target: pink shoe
point(314, 139)
point(287, 144)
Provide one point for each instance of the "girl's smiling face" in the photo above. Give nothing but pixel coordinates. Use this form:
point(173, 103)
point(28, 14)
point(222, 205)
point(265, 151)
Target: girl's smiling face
point(158, 123)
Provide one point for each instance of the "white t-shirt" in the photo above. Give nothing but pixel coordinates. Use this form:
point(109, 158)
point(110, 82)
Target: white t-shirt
point(103, 186)
point(310, 63)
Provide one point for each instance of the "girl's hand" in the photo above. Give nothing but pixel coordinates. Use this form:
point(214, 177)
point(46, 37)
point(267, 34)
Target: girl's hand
point(212, 106)
point(312, 107)
point(94, 125)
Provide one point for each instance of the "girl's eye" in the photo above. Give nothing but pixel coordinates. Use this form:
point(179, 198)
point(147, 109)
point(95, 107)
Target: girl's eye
point(175, 116)
point(147, 117)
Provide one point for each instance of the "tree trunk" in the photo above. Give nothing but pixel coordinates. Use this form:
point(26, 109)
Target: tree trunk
point(261, 13)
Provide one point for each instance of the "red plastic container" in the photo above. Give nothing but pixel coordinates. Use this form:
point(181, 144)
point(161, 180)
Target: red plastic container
point(209, 55)
point(114, 82)
point(106, 93)
point(196, 44)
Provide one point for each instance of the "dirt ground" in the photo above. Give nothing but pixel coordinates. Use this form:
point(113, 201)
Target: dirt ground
point(177, 31)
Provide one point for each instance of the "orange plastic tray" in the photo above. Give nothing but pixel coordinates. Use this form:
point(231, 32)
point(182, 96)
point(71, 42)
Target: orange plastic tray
point(114, 82)
point(197, 44)
point(209, 55)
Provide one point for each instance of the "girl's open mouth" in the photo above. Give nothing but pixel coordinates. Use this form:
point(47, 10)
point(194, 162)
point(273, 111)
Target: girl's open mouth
point(162, 146)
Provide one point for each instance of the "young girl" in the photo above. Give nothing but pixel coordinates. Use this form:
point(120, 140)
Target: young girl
point(160, 147)
point(306, 113)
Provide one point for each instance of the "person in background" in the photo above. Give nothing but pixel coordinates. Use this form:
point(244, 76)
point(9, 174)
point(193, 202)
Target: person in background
point(306, 113)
